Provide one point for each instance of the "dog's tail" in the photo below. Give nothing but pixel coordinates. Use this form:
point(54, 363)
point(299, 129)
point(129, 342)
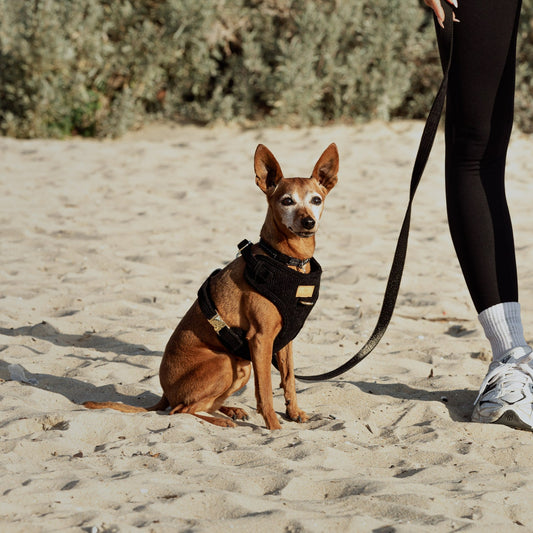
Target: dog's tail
point(161, 405)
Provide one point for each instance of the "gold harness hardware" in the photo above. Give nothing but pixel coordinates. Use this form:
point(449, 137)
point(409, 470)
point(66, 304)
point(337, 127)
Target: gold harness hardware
point(217, 323)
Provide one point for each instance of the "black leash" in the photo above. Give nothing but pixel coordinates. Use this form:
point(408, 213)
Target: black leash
point(395, 275)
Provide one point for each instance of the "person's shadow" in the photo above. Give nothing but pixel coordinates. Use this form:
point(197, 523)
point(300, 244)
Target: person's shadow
point(75, 390)
point(459, 402)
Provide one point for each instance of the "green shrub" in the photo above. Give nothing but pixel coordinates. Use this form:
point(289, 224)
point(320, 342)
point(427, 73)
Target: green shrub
point(524, 69)
point(101, 67)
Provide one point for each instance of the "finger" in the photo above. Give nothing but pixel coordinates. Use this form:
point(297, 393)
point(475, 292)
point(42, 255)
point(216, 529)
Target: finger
point(437, 9)
point(454, 4)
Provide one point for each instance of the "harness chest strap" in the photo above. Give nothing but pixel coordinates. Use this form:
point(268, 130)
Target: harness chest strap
point(293, 293)
point(233, 339)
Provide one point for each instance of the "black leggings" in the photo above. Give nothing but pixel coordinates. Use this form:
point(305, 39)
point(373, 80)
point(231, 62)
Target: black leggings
point(479, 117)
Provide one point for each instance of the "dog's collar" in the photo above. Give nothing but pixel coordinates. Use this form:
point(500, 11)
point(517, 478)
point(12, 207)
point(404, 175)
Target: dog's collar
point(282, 258)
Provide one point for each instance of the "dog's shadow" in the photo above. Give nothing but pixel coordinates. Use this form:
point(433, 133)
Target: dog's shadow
point(459, 402)
point(73, 389)
point(88, 339)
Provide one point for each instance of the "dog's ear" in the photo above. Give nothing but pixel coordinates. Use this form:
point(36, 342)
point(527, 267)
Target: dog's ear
point(267, 169)
point(326, 168)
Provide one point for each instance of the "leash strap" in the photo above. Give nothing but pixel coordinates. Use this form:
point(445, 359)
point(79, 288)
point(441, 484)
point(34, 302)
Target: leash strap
point(395, 275)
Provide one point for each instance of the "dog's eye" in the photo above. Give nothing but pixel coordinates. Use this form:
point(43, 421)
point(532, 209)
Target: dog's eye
point(287, 201)
point(316, 200)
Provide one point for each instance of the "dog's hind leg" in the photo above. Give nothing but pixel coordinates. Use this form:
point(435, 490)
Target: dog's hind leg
point(206, 388)
point(191, 410)
point(161, 405)
point(241, 375)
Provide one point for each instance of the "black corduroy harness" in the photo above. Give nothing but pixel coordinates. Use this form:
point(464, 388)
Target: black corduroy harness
point(293, 293)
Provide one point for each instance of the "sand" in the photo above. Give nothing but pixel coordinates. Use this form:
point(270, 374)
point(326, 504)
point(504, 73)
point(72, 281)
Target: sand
point(104, 245)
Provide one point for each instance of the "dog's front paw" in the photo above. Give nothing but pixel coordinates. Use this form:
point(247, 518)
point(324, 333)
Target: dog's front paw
point(297, 415)
point(272, 421)
point(273, 425)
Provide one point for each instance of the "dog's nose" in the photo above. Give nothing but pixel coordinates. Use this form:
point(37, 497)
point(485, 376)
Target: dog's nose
point(308, 222)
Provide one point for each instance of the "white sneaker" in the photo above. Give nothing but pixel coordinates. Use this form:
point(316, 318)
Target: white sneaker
point(506, 394)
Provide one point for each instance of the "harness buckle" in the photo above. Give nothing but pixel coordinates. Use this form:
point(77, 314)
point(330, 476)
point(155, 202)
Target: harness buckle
point(242, 245)
point(217, 323)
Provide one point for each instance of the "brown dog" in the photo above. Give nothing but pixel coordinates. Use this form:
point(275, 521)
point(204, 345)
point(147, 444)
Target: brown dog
point(198, 370)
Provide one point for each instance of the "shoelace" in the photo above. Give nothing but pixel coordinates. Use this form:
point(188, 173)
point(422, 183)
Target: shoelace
point(518, 371)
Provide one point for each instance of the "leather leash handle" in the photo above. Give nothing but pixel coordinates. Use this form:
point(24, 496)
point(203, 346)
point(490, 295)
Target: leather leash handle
point(396, 271)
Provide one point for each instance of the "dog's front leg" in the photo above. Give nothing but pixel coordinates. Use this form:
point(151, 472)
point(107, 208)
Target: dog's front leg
point(261, 352)
point(286, 370)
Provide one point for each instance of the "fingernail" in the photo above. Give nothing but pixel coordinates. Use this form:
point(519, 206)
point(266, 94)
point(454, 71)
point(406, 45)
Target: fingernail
point(441, 23)
point(454, 2)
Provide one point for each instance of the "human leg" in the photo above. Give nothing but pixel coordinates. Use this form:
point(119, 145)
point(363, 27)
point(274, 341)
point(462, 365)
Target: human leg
point(479, 117)
point(478, 126)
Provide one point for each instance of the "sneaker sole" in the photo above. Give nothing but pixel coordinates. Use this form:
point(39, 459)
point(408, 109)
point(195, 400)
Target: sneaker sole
point(511, 419)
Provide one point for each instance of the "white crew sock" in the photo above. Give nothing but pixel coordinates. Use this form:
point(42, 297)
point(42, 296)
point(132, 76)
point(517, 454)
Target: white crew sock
point(503, 328)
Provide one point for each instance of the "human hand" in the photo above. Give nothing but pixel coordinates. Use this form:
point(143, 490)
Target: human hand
point(439, 12)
